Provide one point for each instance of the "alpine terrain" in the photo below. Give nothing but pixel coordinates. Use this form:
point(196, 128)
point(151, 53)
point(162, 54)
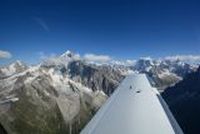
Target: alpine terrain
point(62, 93)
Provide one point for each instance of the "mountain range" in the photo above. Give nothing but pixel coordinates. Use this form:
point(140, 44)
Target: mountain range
point(62, 93)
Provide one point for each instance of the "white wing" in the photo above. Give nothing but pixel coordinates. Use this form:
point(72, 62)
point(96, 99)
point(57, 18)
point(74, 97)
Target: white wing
point(134, 108)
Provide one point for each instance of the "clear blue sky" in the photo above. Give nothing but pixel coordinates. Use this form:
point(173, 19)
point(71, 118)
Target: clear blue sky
point(120, 28)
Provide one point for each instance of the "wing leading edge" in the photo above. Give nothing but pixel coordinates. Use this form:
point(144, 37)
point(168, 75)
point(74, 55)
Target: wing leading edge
point(134, 108)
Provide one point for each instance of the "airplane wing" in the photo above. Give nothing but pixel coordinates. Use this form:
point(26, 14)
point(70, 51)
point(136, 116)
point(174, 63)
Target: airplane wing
point(134, 108)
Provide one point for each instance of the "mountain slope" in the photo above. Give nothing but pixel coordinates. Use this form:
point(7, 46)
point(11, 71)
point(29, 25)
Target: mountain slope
point(43, 101)
point(184, 101)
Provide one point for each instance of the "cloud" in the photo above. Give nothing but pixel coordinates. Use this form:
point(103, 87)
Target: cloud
point(42, 23)
point(96, 58)
point(130, 62)
point(146, 58)
point(5, 54)
point(185, 58)
point(127, 62)
point(42, 55)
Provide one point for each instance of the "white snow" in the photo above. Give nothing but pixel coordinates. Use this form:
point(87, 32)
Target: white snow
point(11, 69)
point(14, 99)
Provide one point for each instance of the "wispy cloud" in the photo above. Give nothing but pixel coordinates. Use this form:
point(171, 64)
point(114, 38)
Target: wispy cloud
point(5, 54)
point(185, 58)
point(123, 62)
point(42, 23)
point(42, 55)
point(96, 58)
point(130, 62)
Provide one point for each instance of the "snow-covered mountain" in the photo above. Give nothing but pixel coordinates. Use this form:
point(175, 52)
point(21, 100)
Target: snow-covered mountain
point(164, 73)
point(45, 100)
point(57, 96)
point(62, 93)
point(13, 68)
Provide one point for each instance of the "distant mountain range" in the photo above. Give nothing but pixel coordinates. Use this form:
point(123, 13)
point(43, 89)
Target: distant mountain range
point(62, 93)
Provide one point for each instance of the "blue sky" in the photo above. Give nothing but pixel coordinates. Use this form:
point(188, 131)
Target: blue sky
point(119, 28)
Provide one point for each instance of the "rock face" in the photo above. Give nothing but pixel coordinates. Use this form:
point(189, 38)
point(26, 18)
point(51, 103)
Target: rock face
point(97, 78)
point(184, 101)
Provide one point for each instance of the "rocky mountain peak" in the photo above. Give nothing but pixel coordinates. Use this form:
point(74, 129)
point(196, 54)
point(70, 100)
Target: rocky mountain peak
point(69, 55)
